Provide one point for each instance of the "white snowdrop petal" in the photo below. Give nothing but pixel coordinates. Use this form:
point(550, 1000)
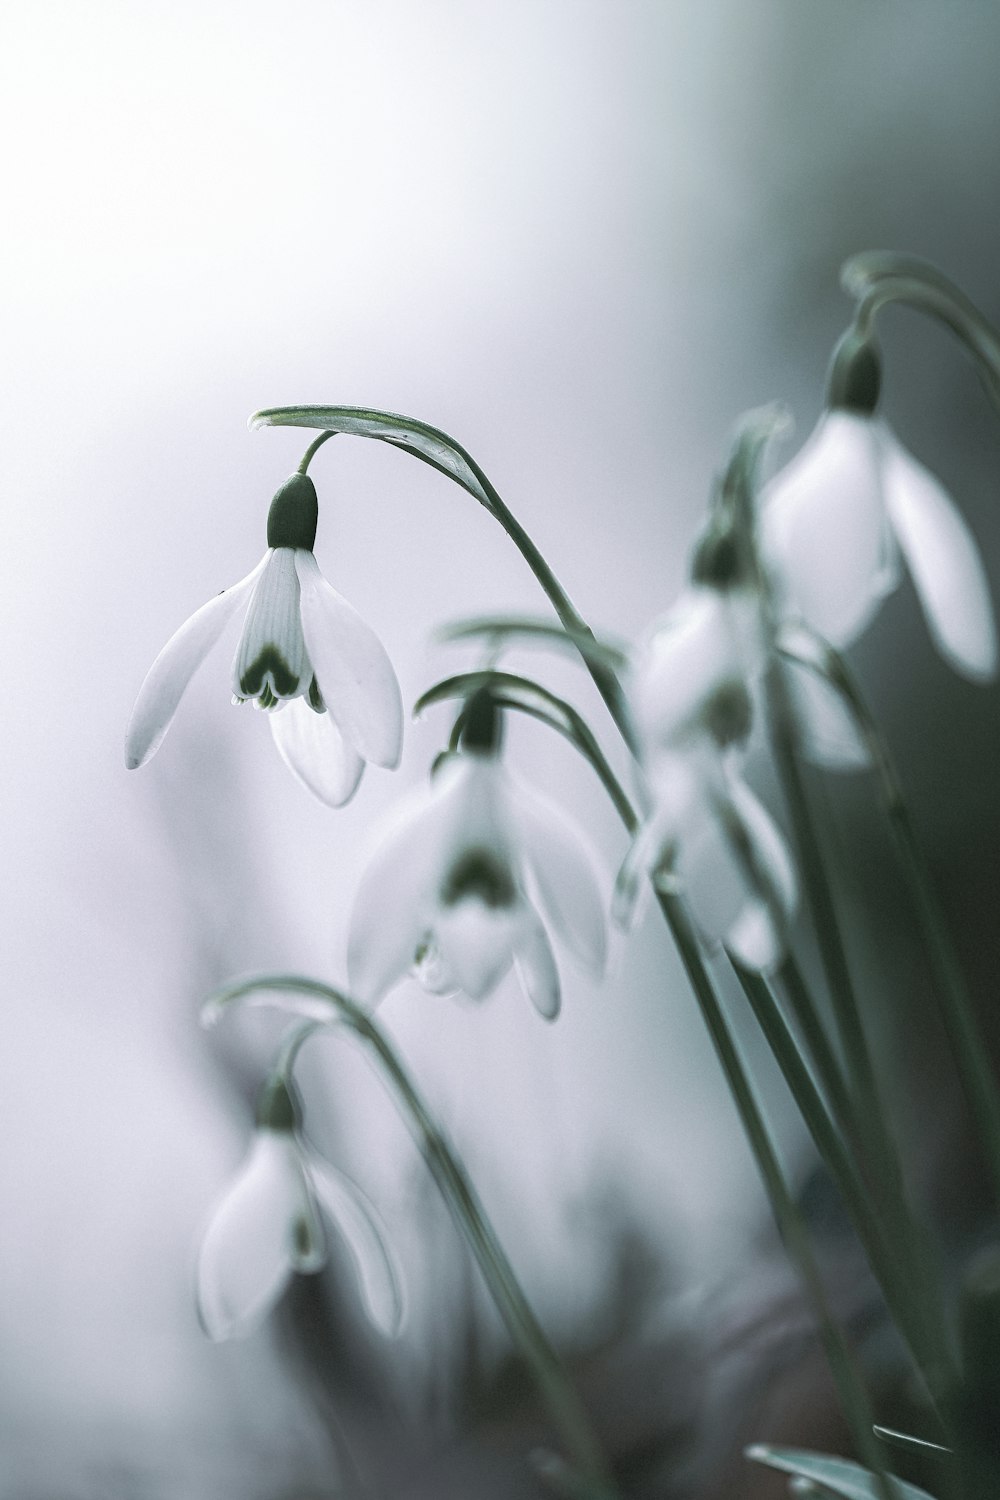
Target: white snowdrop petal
point(272, 652)
point(356, 1219)
point(757, 937)
point(754, 939)
point(477, 944)
point(395, 898)
point(253, 1241)
point(167, 678)
point(770, 851)
point(714, 880)
point(823, 529)
point(828, 731)
point(688, 654)
point(315, 751)
point(535, 965)
point(944, 562)
point(352, 668)
point(563, 869)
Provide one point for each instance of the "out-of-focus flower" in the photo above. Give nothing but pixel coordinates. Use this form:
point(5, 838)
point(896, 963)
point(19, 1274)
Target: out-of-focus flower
point(836, 521)
point(305, 655)
point(706, 835)
point(268, 1226)
point(451, 890)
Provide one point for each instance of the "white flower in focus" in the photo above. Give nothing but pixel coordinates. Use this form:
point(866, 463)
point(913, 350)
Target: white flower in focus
point(305, 655)
point(268, 1227)
point(706, 835)
point(450, 891)
point(837, 520)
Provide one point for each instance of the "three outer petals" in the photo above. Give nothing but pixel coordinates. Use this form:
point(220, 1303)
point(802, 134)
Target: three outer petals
point(168, 677)
point(399, 909)
point(354, 673)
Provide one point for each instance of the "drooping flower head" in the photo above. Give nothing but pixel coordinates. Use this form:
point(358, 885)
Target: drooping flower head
point(853, 505)
point(268, 1227)
point(304, 655)
point(691, 690)
point(454, 888)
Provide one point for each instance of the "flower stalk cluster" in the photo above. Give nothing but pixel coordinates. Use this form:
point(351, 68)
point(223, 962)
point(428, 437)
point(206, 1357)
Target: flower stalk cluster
point(476, 875)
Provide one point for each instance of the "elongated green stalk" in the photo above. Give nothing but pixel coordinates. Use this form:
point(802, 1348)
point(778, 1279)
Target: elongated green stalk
point(459, 466)
point(850, 1387)
point(957, 1010)
point(818, 1044)
point(819, 897)
point(326, 1004)
point(920, 1333)
point(872, 1118)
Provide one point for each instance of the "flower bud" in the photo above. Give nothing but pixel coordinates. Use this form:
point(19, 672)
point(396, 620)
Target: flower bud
point(277, 1108)
point(292, 519)
point(855, 377)
point(483, 726)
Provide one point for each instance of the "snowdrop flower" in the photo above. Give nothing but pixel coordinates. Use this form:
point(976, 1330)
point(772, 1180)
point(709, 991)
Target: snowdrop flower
point(305, 655)
point(839, 519)
point(268, 1226)
point(454, 889)
point(706, 834)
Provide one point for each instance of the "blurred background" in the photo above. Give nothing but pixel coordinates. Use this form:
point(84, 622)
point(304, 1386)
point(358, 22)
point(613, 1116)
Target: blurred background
point(581, 236)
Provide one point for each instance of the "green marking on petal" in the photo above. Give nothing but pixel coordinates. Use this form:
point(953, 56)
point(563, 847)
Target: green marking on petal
point(315, 697)
point(269, 677)
point(728, 714)
point(302, 1238)
point(481, 875)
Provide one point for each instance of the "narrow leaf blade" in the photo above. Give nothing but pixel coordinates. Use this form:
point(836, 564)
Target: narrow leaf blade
point(838, 1475)
point(420, 440)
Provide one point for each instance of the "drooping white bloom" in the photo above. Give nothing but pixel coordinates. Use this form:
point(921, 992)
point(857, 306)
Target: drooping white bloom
point(836, 522)
point(451, 891)
point(305, 655)
point(268, 1226)
point(706, 834)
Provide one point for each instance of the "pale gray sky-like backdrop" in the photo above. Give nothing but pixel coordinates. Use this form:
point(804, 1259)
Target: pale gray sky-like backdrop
point(581, 236)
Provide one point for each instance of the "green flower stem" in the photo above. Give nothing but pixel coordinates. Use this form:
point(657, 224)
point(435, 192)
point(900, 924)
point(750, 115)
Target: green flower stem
point(920, 1334)
point(768, 1016)
point(564, 1406)
point(834, 959)
point(850, 1388)
point(524, 1328)
point(460, 467)
point(877, 278)
point(957, 1010)
point(818, 1044)
point(307, 457)
point(872, 1119)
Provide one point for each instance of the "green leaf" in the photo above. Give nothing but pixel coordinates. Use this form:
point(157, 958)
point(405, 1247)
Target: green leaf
point(416, 438)
point(838, 1475)
point(910, 1443)
point(604, 653)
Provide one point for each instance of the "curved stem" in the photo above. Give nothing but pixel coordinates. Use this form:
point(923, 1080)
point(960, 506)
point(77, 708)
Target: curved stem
point(307, 457)
point(878, 278)
point(564, 1406)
